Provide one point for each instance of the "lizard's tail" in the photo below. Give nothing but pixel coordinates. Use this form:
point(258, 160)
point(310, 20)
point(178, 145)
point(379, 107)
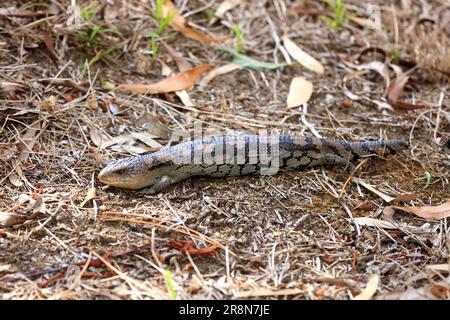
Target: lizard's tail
point(382, 147)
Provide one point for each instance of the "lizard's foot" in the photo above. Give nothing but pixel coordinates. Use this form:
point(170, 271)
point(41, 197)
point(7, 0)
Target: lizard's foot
point(333, 159)
point(161, 184)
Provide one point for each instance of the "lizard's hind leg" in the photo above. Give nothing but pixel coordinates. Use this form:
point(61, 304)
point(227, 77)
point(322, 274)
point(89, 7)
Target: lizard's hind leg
point(332, 159)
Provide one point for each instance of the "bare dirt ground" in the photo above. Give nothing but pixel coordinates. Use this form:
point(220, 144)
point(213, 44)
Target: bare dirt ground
point(295, 235)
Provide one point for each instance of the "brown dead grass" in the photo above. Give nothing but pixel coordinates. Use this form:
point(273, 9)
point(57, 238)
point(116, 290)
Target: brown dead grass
point(291, 231)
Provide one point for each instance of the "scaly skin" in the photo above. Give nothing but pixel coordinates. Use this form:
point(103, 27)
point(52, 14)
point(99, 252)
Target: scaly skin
point(257, 154)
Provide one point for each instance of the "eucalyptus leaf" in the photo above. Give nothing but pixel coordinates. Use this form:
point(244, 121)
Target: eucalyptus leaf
point(250, 63)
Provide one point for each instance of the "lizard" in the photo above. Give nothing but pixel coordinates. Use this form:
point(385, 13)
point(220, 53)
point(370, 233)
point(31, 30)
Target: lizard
point(236, 155)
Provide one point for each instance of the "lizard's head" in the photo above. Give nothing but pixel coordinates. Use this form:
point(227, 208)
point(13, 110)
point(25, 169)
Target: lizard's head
point(129, 173)
point(136, 173)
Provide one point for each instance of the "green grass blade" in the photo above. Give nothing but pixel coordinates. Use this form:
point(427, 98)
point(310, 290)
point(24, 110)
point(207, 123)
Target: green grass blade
point(168, 277)
point(251, 63)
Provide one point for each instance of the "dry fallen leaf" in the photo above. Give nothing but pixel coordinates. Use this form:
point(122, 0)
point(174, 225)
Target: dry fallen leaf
point(184, 97)
point(49, 44)
point(268, 293)
point(300, 92)
point(445, 267)
point(382, 195)
point(27, 208)
point(368, 23)
point(395, 91)
point(154, 125)
point(125, 142)
point(133, 150)
point(440, 291)
point(181, 62)
point(369, 290)
point(6, 87)
point(219, 71)
point(147, 138)
point(426, 212)
point(180, 81)
point(197, 35)
point(165, 69)
point(179, 23)
point(6, 267)
point(27, 142)
point(302, 57)
point(100, 140)
point(364, 221)
point(8, 219)
point(405, 197)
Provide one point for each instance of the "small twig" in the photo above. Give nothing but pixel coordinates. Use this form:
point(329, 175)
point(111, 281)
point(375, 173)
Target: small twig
point(438, 116)
point(306, 123)
point(351, 176)
point(68, 83)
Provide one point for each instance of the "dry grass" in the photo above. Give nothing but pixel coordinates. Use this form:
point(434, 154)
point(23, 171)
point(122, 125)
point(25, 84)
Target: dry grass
point(286, 236)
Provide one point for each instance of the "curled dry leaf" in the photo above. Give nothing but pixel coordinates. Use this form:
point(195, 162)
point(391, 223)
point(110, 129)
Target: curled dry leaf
point(302, 57)
point(91, 194)
point(49, 103)
point(113, 107)
point(300, 91)
point(378, 67)
point(395, 91)
point(426, 212)
point(219, 71)
point(180, 81)
point(371, 49)
point(225, 6)
point(27, 208)
point(154, 125)
point(125, 141)
point(179, 23)
point(370, 289)
point(181, 62)
point(7, 87)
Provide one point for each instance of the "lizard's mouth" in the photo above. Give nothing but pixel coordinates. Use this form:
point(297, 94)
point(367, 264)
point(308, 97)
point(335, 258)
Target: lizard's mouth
point(106, 178)
point(118, 178)
point(102, 176)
